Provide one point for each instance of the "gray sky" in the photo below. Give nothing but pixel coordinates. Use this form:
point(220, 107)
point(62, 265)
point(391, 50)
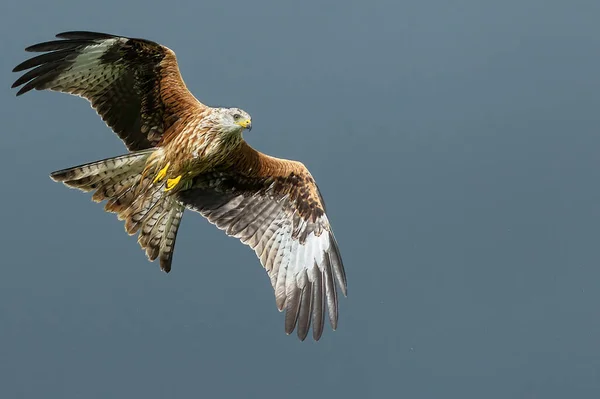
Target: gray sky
point(456, 145)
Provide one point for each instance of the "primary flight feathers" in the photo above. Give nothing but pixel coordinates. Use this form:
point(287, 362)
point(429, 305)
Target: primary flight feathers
point(185, 154)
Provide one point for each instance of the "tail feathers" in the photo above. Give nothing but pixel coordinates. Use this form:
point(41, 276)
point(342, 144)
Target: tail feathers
point(90, 176)
point(121, 195)
point(143, 205)
point(149, 202)
point(158, 233)
point(156, 217)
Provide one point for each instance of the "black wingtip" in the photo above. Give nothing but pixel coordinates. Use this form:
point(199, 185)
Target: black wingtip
point(55, 45)
point(83, 34)
point(23, 90)
point(34, 48)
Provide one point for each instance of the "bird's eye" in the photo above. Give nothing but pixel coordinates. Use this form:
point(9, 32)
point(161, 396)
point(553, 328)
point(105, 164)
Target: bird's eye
point(236, 116)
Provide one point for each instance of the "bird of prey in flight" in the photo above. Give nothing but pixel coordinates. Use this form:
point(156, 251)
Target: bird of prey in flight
point(185, 154)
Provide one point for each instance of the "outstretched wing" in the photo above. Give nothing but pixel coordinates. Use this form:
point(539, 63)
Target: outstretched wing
point(274, 206)
point(134, 84)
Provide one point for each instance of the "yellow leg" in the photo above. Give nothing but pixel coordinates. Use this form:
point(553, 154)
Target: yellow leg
point(162, 173)
point(171, 183)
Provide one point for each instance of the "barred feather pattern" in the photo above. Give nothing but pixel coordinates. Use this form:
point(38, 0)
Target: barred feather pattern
point(133, 84)
point(301, 256)
point(273, 205)
point(134, 197)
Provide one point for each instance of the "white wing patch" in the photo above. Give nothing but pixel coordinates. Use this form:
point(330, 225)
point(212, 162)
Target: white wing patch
point(85, 70)
point(302, 272)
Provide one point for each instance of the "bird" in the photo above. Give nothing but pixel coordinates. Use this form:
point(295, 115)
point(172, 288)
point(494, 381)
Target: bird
point(183, 154)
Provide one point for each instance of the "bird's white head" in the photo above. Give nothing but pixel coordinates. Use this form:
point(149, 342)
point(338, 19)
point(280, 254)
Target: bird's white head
point(234, 120)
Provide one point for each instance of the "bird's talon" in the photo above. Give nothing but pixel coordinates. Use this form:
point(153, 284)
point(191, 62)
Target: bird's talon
point(162, 173)
point(171, 183)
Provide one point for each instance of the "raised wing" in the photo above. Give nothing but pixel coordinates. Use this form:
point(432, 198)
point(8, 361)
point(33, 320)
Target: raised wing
point(134, 84)
point(274, 206)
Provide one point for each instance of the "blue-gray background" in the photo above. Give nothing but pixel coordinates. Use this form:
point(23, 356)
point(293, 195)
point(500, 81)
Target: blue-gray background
point(456, 144)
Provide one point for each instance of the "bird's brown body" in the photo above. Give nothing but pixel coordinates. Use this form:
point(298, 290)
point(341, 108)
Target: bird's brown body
point(185, 154)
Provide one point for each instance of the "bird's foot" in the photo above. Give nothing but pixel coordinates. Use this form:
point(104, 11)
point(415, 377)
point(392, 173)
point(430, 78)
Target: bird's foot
point(171, 183)
point(162, 173)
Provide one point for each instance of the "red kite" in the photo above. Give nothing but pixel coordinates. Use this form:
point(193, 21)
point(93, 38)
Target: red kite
point(184, 154)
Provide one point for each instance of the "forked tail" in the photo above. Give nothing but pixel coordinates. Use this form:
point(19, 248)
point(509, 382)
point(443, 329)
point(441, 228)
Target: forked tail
point(134, 197)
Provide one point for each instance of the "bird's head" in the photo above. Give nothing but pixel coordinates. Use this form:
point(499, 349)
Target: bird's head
point(234, 120)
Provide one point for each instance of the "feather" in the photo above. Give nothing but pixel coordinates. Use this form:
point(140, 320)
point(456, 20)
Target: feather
point(121, 77)
point(84, 35)
point(277, 211)
point(272, 205)
point(305, 311)
point(330, 294)
point(318, 315)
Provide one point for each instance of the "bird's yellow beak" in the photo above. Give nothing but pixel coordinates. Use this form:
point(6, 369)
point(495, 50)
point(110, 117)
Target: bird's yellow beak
point(246, 124)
